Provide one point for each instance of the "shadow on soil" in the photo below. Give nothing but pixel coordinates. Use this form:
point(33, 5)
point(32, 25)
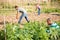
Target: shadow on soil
point(56, 14)
point(1, 23)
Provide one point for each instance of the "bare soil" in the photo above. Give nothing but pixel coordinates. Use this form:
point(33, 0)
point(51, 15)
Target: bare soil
point(31, 16)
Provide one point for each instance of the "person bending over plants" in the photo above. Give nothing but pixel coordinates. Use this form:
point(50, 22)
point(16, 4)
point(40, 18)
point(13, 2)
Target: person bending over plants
point(24, 14)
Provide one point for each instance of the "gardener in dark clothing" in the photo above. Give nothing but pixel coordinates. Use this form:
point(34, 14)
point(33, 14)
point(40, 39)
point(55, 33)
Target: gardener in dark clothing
point(24, 14)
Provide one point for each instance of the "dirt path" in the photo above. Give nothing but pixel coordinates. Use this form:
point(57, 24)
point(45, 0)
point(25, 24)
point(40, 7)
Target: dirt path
point(31, 16)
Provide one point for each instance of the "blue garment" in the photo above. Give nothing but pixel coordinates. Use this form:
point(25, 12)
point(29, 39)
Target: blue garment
point(54, 25)
point(22, 17)
point(38, 11)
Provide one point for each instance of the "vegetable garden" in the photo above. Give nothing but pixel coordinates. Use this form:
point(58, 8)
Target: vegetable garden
point(37, 29)
point(31, 31)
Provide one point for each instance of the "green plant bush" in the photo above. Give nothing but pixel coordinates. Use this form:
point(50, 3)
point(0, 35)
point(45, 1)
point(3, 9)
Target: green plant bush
point(50, 10)
point(2, 35)
point(31, 31)
point(6, 5)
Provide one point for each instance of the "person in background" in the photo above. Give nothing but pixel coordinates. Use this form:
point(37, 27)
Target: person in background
point(38, 8)
point(24, 14)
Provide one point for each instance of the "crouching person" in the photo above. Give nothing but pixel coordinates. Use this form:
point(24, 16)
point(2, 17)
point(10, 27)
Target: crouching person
point(53, 28)
point(52, 24)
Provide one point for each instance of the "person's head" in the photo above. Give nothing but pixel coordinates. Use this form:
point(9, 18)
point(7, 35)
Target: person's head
point(49, 21)
point(16, 7)
point(37, 3)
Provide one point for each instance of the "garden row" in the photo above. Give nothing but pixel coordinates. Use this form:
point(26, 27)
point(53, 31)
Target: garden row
point(31, 31)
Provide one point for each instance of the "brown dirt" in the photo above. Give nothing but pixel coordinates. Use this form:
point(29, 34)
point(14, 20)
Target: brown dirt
point(31, 17)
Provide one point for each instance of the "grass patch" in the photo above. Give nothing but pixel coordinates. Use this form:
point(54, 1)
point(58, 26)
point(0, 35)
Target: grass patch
point(50, 10)
point(30, 9)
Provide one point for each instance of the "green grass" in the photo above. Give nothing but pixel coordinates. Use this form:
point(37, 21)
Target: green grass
point(30, 8)
point(7, 11)
point(7, 8)
point(43, 10)
point(50, 10)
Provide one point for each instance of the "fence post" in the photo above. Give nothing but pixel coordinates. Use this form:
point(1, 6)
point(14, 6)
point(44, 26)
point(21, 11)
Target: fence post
point(5, 27)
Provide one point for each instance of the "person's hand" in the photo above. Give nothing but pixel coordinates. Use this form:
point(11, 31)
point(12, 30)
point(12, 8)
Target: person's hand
point(16, 17)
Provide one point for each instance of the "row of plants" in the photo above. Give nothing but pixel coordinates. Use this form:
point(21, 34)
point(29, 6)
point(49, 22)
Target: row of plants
point(2, 35)
point(31, 31)
point(44, 10)
point(8, 5)
point(50, 10)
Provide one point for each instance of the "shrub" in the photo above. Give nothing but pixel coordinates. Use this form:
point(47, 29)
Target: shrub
point(31, 31)
point(2, 35)
point(50, 10)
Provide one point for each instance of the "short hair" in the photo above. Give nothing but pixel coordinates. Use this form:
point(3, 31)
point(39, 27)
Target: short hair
point(48, 19)
point(16, 6)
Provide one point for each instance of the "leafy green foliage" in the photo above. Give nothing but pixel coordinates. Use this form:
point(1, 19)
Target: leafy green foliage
point(31, 31)
point(49, 10)
point(2, 35)
point(6, 5)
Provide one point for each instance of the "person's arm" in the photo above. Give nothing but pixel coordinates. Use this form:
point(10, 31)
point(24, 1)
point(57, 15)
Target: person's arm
point(36, 8)
point(17, 15)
